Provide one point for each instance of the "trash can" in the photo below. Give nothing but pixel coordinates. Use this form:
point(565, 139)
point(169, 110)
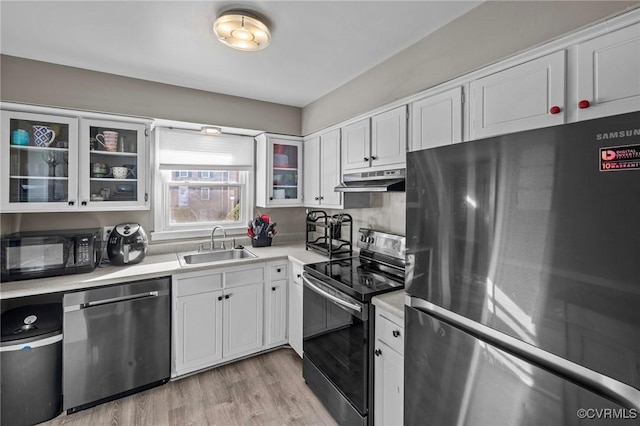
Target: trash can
point(31, 360)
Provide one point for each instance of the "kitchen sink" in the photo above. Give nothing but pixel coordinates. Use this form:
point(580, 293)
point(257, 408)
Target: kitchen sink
point(215, 256)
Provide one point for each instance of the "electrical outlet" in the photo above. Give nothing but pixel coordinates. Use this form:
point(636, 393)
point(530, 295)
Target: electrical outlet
point(106, 230)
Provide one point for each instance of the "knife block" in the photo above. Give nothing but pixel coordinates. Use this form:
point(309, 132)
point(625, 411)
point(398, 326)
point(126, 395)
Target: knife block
point(261, 241)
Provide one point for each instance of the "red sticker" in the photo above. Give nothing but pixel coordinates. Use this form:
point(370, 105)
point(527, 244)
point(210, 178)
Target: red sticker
point(616, 158)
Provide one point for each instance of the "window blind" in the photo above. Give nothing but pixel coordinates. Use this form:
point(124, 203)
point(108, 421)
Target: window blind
point(190, 150)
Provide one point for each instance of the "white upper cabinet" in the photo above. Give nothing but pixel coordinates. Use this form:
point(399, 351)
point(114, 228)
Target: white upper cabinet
point(39, 154)
point(61, 163)
point(389, 137)
point(608, 74)
point(437, 120)
point(112, 165)
point(375, 143)
point(312, 171)
point(330, 169)
point(356, 145)
point(322, 170)
point(527, 96)
point(278, 171)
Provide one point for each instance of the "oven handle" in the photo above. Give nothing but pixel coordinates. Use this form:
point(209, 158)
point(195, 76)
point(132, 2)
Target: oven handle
point(331, 297)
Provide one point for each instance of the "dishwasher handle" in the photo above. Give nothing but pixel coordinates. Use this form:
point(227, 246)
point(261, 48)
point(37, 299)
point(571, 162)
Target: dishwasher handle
point(127, 298)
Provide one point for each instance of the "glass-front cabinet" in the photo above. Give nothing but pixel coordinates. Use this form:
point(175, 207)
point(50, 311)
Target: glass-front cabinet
point(65, 163)
point(39, 158)
point(279, 171)
point(112, 170)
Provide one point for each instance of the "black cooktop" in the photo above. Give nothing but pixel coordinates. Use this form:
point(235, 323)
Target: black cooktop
point(358, 278)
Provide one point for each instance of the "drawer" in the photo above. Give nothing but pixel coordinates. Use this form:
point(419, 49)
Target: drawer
point(199, 284)
point(390, 332)
point(245, 276)
point(278, 272)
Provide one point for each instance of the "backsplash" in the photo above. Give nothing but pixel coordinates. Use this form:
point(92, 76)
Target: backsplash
point(387, 213)
point(290, 220)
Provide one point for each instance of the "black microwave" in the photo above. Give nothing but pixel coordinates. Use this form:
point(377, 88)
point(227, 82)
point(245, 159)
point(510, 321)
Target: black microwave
point(38, 254)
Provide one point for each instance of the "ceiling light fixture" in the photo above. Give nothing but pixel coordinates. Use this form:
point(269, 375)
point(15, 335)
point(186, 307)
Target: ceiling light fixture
point(242, 30)
point(211, 130)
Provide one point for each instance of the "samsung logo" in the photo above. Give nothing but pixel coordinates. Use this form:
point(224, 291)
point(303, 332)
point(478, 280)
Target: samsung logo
point(618, 134)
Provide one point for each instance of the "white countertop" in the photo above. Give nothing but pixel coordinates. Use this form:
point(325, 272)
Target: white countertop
point(153, 266)
point(392, 302)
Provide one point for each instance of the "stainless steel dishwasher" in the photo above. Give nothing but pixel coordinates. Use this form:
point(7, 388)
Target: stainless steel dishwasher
point(117, 340)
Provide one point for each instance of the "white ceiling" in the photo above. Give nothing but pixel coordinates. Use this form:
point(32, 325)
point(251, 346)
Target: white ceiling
point(316, 46)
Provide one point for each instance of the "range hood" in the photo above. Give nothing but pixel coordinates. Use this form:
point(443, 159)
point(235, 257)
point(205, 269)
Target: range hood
point(380, 181)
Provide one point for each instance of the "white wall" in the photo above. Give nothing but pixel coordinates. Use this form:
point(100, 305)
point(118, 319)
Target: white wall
point(488, 33)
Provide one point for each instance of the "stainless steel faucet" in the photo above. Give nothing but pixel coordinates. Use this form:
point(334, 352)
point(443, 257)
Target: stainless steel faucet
point(224, 234)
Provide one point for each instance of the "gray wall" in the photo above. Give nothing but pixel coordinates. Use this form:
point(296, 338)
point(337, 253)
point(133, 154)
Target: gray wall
point(34, 82)
point(42, 83)
point(488, 33)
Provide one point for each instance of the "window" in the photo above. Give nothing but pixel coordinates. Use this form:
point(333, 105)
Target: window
point(201, 181)
point(204, 193)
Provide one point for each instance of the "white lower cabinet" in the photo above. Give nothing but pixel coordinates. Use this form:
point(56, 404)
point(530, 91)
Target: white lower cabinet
point(388, 369)
point(275, 296)
point(199, 318)
point(218, 316)
point(295, 307)
point(242, 319)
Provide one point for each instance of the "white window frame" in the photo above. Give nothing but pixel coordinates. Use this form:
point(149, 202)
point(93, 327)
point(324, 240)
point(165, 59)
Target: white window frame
point(164, 231)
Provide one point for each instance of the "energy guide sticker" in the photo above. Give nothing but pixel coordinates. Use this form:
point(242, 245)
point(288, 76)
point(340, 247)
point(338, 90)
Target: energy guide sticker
point(617, 158)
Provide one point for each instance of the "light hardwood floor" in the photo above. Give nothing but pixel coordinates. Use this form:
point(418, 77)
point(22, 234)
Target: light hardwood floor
point(267, 389)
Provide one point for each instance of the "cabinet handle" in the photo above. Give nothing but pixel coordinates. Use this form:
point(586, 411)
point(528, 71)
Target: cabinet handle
point(396, 333)
point(554, 109)
point(271, 198)
point(373, 158)
point(279, 270)
point(84, 203)
point(298, 275)
point(226, 296)
point(316, 198)
point(321, 198)
point(377, 352)
point(366, 159)
point(583, 104)
point(71, 202)
point(219, 298)
point(273, 289)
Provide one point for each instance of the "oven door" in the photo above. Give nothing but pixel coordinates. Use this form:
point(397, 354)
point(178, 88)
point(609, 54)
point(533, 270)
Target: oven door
point(335, 345)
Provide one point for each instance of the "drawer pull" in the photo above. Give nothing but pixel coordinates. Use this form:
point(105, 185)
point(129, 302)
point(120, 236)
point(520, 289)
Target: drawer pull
point(377, 352)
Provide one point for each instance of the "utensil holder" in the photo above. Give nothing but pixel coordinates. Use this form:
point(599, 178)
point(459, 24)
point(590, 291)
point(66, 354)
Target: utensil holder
point(261, 241)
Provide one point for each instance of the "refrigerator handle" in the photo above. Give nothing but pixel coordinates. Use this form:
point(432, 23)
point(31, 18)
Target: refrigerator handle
point(621, 393)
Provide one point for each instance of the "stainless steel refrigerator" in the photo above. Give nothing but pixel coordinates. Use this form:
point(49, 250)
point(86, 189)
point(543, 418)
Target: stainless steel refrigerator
point(523, 278)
